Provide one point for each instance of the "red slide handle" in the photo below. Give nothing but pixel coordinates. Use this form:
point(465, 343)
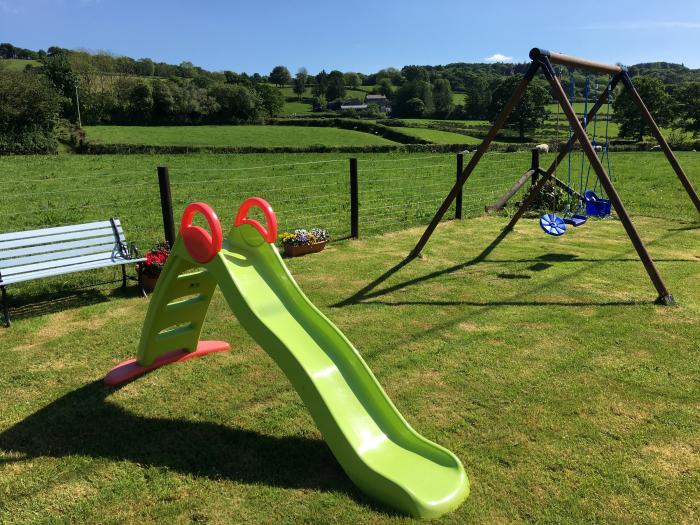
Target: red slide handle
point(269, 233)
point(201, 245)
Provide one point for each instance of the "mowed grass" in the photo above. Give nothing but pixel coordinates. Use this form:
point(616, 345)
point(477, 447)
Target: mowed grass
point(437, 136)
point(543, 364)
point(265, 136)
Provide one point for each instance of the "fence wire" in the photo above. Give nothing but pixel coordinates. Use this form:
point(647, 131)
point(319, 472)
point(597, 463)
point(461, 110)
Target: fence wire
point(395, 192)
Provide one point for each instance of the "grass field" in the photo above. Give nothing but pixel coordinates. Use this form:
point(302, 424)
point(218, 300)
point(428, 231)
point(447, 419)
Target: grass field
point(554, 424)
point(16, 64)
point(266, 136)
point(541, 362)
point(440, 137)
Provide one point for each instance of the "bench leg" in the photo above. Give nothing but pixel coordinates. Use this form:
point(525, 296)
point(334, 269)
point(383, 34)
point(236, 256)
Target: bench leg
point(5, 307)
point(123, 275)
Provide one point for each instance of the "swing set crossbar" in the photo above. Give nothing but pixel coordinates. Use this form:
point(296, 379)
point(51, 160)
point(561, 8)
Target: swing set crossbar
point(543, 60)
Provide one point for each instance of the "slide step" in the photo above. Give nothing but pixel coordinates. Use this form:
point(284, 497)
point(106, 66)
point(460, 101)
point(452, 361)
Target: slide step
point(130, 369)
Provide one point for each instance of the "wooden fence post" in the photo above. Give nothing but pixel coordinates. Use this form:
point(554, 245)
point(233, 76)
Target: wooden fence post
point(535, 167)
point(354, 201)
point(166, 205)
point(458, 198)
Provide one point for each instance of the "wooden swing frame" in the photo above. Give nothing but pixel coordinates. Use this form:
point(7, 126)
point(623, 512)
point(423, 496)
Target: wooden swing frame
point(542, 59)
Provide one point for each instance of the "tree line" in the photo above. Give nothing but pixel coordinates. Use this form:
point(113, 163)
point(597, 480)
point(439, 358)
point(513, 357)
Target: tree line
point(103, 88)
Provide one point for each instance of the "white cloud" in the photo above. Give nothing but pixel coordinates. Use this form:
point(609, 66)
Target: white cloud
point(498, 57)
point(638, 24)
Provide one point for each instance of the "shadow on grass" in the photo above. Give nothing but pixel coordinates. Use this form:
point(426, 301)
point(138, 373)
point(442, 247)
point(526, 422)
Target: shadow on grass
point(28, 304)
point(84, 423)
point(366, 292)
point(541, 263)
point(546, 304)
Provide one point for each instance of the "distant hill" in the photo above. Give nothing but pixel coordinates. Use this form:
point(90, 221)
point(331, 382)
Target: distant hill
point(458, 73)
point(667, 72)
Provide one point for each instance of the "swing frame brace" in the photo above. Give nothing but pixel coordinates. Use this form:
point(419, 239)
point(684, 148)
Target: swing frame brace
point(542, 59)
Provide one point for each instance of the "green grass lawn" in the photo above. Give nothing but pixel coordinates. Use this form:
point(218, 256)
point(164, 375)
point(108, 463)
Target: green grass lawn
point(267, 136)
point(440, 137)
point(396, 190)
point(458, 98)
point(17, 64)
point(568, 396)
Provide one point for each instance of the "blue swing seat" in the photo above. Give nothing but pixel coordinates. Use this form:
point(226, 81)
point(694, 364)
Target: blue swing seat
point(595, 205)
point(576, 220)
point(552, 224)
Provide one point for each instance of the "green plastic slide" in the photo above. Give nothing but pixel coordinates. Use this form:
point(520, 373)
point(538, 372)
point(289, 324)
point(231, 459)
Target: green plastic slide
point(375, 445)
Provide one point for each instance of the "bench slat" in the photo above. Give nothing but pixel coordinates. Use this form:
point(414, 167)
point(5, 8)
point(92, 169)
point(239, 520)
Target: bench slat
point(55, 230)
point(67, 269)
point(56, 248)
point(17, 243)
point(107, 249)
point(31, 268)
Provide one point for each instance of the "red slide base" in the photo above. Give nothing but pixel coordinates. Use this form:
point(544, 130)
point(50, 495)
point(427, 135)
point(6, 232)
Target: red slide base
point(129, 370)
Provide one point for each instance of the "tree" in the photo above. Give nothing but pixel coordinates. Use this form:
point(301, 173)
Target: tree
point(403, 104)
point(145, 67)
point(336, 85)
point(414, 107)
point(270, 99)
point(280, 76)
point(236, 103)
point(352, 80)
point(300, 82)
point(442, 97)
point(29, 111)
point(529, 114)
point(657, 101)
point(413, 73)
point(58, 70)
point(321, 84)
point(385, 88)
point(688, 96)
point(163, 101)
point(478, 95)
point(319, 103)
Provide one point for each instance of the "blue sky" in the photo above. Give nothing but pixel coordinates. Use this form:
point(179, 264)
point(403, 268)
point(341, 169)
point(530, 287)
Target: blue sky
point(254, 36)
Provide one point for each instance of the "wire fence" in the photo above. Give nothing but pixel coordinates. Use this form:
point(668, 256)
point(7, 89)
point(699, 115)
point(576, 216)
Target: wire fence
point(394, 191)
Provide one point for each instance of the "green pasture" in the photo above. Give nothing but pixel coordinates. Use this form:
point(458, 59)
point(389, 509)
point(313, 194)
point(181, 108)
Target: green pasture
point(440, 137)
point(16, 64)
point(541, 362)
point(396, 190)
point(265, 136)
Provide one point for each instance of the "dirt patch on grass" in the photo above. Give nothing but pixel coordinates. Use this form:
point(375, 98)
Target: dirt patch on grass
point(618, 416)
point(675, 459)
point(476, 328)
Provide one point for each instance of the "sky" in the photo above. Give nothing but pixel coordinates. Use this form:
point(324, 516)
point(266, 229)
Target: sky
point(254, 36)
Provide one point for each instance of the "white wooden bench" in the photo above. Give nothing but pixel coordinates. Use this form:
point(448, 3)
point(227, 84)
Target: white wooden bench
point(36, 254)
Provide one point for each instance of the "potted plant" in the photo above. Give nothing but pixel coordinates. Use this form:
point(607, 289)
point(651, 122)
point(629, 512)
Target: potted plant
point(155, 261)
point(302, 241)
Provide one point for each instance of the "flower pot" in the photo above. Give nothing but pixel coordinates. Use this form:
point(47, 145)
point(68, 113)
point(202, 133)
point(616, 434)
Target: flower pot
point(295, 251)
point(149, 282)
